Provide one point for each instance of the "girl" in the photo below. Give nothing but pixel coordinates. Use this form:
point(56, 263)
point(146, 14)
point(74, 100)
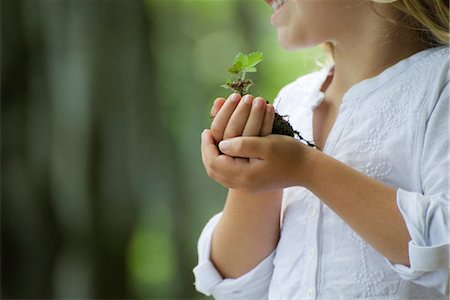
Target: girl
point(365, 217)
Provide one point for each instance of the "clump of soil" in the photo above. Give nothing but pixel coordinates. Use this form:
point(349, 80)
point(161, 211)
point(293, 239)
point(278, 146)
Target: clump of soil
point(282, 126)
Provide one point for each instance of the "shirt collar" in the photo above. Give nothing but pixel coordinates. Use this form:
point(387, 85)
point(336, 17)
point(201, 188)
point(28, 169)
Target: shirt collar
point(317, 96)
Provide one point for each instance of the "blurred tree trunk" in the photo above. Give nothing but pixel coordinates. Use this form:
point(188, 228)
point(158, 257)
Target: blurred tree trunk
point(29, 233)
point(81, 143)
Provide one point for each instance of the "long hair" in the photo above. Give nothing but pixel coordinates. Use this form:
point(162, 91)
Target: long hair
point(429, 17)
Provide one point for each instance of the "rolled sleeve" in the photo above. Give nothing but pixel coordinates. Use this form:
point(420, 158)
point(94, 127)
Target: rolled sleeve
point(252, 285)
point(427, 221)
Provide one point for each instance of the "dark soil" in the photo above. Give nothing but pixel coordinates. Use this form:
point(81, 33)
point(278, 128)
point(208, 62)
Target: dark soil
point(282, 126)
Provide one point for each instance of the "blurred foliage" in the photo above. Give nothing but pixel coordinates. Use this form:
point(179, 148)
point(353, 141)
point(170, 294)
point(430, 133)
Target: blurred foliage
point(103, 102)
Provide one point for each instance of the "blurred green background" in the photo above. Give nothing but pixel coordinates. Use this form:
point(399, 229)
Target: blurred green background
point(103, 193)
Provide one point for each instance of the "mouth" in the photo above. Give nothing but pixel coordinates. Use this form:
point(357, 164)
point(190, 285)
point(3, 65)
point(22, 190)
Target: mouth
point(276, 4)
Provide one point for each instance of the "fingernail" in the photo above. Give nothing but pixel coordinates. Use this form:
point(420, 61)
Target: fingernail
point(234, 97)
point(248, 99)
point(224, 145)
point(258, 102)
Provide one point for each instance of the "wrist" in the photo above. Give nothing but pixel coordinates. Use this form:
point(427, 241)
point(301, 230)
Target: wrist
point(309, 160)
point(250, 198)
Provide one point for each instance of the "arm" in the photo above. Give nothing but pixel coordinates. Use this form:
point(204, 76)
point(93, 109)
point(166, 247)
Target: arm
point(247, 232)
point(366, 205)
point(252, 285)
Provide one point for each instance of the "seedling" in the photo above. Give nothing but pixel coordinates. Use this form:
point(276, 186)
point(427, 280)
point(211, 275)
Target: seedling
point(246, 63)
point(243, 64)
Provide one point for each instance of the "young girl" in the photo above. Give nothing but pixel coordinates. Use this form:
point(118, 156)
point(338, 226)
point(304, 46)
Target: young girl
point(366, 216)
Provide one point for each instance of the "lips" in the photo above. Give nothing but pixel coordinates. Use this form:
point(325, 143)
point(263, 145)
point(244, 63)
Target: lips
point(276, 4)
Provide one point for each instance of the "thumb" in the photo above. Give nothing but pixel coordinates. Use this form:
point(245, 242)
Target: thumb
point(247, 147)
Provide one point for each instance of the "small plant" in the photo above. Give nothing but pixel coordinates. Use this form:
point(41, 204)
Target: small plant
point(243, 64)
point(246, 63)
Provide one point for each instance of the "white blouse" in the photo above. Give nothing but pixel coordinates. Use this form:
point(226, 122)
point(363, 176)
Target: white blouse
point(393, 127)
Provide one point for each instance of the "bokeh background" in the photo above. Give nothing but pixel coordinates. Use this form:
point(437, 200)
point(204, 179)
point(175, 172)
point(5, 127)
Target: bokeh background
point(103, 193)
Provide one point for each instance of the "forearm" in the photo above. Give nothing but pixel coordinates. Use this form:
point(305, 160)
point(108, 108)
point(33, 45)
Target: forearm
point(247, 233)
point(366, 205)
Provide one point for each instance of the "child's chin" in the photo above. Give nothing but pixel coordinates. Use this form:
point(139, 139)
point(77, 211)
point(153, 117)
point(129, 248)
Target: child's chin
point(292, 43)
point(289, 44)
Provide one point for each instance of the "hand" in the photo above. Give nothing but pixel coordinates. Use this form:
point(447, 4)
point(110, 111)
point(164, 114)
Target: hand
point(246, 116)
point(257, 164)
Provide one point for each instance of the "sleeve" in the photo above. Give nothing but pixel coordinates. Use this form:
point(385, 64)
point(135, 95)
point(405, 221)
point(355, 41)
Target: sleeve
point(426, 213)
point(252, 285)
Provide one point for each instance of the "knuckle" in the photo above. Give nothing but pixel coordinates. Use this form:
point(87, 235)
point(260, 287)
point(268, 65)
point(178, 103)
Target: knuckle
point(214, 126)
point(239, 146)
point(216, 132)
point(242, 146)
point(232, 132)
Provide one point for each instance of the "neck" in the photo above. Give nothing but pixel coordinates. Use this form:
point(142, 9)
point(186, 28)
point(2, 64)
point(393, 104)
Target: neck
point(369, 57)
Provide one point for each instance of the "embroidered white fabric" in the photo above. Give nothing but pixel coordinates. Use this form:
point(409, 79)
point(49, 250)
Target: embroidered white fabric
point(393, 127)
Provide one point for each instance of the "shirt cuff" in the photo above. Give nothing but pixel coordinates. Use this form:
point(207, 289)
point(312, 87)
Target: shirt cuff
point(422, 260)
point(252, 285)
point(206, 277)
point(426, 218)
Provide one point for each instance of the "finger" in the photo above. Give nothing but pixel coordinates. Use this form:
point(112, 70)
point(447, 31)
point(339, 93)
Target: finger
point(222, 117)
point(208, 147)
point(256, 117)
point(246, 147)
point(269, 116)
point(237, 121)
point(218, 103)
point(221, 168)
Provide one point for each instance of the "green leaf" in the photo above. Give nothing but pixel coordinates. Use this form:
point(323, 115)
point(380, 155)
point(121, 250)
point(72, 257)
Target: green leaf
point(236, 68)
point(246, 62)
point(253, 59)
point(241, 58)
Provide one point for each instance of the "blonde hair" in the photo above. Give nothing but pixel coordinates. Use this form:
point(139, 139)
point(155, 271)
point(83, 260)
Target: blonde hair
point(429, 17)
